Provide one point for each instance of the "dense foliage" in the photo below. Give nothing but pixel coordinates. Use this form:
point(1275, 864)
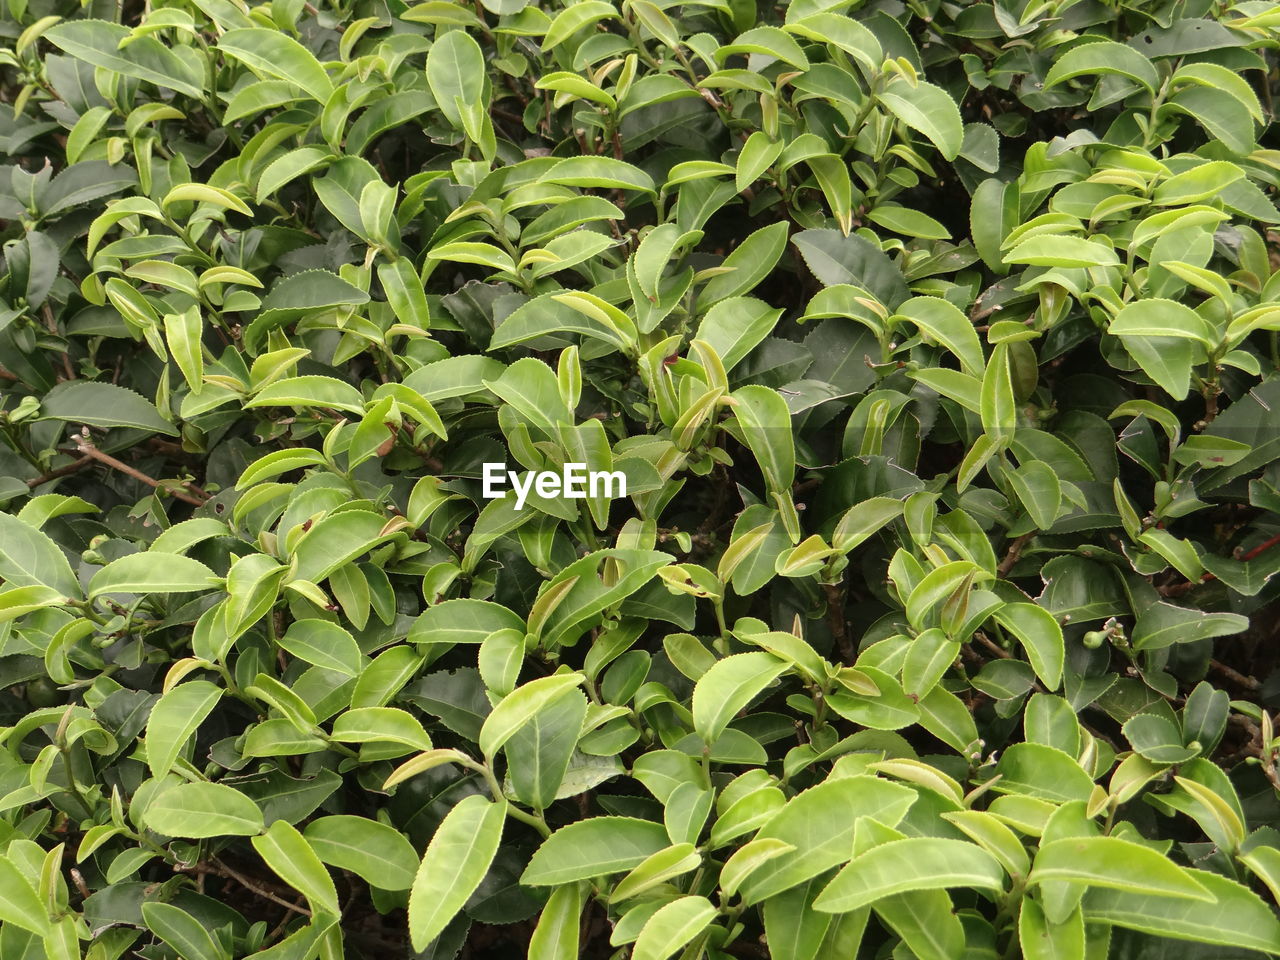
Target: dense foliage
point(936, 341)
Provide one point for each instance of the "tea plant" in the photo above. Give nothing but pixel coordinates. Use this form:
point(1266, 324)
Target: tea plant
point(936, 344)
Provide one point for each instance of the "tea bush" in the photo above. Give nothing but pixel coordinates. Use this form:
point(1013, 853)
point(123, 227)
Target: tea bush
point(936, 344)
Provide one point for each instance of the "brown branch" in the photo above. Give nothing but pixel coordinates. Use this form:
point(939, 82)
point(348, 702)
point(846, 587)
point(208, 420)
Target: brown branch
point(836, 621)
point(223, 870)
point(52, 324)
point(991, 645)
point(85, 447)
point(1235, 676)
point(1178, 589)
point(63, 471)
point(1013, 555)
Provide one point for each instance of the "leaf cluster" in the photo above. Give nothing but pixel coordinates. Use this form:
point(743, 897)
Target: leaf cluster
point(937, 344)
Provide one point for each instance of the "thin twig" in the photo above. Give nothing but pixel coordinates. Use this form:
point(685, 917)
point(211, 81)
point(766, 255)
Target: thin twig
point(63, 471)
point(836, 622)
point(279, 929)
point(1178, 589)
point(1235, 676)
point(991, 645)
point(1012, 556)
point(84, 446)
point(254, 888)
point(52, 324)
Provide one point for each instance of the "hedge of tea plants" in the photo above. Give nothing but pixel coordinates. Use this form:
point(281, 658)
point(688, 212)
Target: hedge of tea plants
point(936, 344)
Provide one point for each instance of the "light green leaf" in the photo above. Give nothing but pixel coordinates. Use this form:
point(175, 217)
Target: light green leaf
point(1234, 917)
point(278, 55)
point(728, 687)
point(518, 708)
point(455, 863)
point(463, 621)
point(31, 559)
point(199, 810)
point(151, 573)
point(916, 863)
point(929, 109)
point(673, 926)
point(287, 852)
point(592, 848)
point(1103, 58)
point(1114, 863)
point(174, 718)
point(379, 854)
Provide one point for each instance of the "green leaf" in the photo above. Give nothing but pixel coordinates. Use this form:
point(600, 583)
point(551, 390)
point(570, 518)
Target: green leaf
point(673, 926)
point(563, 313)
point(1163, 624)
point(915, 863)
point(1103, 58)
point(405, 294)
point(540, 754)
point(323, 644)
point(592, 848)
point(1224, 116)
point(1234, 917)
point(853, 260)
point(908, 222)
point(556, 935)
point(301, 294)
point(573, 18)
point(199, 810)
point(310, 391)
point(1156, 317)
point(455, 71)
point(287, 852)
point(455, 863)
point(1117, 864)
point(175, 717)
point(768, 42)
point(278, 55)
point(735, 326)
point(942, 322)
point(453, 377)
point(1044, 250)
point(1201, 182)
point(284, 170)
point(102, 44)
point(820, 824)
point(151, 573)
point(463, 621)
point(766, 426)
point(19, 903)
point(380, 724)
point(1040, 634)
point(335, 541)
point(927, 108)
point(31, 559)
point(1036, 770)
point(182, 931)
point(521, 705)
point(377, 853)
point(1041, 939)
point(102, 405)
point(1038, 487)
point(598, 172)
point(728, 687)
point(749, 263)
point(931, 654)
